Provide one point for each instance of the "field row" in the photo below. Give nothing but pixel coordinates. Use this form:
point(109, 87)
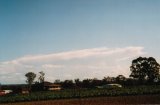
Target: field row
point(81, 93)
point(119, 100)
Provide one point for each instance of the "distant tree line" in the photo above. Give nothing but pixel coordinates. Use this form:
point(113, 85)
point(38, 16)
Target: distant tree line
point(144, 71)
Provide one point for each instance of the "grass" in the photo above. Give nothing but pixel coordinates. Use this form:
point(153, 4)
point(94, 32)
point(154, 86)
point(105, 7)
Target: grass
point(82, 94)
point(118, 100)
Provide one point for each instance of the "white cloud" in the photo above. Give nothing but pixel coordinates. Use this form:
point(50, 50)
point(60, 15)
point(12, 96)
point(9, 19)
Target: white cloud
point(86, 63)
point(51, 66)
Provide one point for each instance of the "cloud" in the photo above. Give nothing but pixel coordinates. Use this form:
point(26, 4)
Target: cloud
point(85, 63)
point(51, 66)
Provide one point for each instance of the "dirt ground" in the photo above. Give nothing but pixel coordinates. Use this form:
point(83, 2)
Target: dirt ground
point(120, 100)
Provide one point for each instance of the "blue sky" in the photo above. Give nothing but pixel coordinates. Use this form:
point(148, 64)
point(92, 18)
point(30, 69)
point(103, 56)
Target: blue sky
point(41, 27)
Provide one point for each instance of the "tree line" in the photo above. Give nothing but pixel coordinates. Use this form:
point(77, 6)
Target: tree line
point(144, 71)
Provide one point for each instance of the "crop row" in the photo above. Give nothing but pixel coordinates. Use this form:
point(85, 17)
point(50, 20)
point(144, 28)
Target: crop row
point(80, 93)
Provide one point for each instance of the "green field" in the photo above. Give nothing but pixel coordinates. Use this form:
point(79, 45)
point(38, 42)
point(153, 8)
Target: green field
point(81, 93)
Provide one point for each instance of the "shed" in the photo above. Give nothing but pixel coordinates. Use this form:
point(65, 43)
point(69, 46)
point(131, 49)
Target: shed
point(51, 86)
point(2, 92)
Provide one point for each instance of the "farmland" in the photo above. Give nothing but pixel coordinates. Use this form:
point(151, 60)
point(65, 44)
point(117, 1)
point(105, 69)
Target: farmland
point(140, 99)
point(151, 92)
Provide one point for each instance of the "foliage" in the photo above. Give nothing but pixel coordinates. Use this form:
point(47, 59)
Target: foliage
point(30, 78)
point(57, 81)
point(81, 93)
point(144, 68)
point(68, 84)
point(41, 77)
point(121, 79)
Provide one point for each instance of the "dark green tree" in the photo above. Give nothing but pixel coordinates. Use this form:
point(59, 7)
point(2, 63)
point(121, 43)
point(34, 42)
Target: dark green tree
point(68, 84)
point(145, 69)
point(77, 82)
point(57, 81)
point(120, 79)
point(30, 79)
point(41, 77)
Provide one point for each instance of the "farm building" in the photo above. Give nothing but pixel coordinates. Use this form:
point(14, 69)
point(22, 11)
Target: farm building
point(2, 92)
point(110, 86)
point(51, 86)
point(24, 91)
point(8, 91)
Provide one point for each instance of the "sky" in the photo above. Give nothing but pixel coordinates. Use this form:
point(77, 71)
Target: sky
point(70, 39)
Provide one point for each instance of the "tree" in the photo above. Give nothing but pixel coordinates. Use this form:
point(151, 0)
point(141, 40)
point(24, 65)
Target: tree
point(41, 77)
point(120, 79)
point(57, 81)
point(68, 84)
point(78, 83)
point(87, 83)
point(145, 69)
point(109, 79)
point(30, 79)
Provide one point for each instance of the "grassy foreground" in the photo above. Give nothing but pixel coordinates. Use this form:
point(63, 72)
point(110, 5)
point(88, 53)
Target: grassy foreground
point(140, 99)
point(82, 93)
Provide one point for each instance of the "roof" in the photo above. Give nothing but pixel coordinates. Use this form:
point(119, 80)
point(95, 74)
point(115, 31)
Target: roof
point(117, 85)
point(2, 91)
point(50, 84)
point(47, 83)
point(25, 89)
